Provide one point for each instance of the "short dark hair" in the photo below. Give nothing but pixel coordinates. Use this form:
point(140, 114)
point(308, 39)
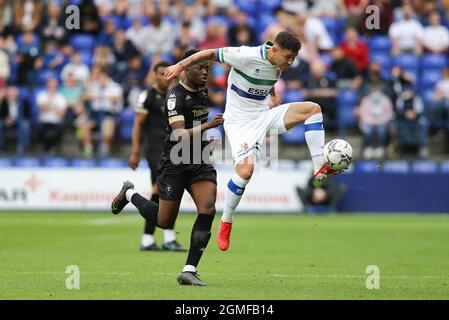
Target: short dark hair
point(161, 64)
point(189, 53)
point(288, 40)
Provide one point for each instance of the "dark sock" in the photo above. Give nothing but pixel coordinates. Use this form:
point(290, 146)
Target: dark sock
point(199, 238)
point(150, 227)
point(147, 209)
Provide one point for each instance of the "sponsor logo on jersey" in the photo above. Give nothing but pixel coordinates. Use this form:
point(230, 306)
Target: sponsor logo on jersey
point(188, 97)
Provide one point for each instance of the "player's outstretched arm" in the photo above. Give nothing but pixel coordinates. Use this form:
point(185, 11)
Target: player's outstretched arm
point(204, 55)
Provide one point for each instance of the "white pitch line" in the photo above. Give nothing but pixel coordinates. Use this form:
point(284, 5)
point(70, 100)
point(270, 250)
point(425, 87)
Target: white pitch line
point(113, 220)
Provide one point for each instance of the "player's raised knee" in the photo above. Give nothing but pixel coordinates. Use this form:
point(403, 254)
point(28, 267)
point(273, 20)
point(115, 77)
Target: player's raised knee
point(245, 171)
point(313, 107)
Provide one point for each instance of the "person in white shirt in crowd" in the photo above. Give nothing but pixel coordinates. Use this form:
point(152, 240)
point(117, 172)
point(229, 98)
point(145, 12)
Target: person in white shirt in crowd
point(105, 100)
point(435, 36)
point(159, 37)
point(136, 34)
point(315, 32)
point(406, 35)
point(76, 66)
point(375, 114)
point(5, 69)
point(52, 109)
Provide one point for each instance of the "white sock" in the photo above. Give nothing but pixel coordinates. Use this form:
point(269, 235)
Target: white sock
point(147, 240)
point(129, 193)
point(169, 235)
point(314, 132)
point(189, 268)
point(234, 192)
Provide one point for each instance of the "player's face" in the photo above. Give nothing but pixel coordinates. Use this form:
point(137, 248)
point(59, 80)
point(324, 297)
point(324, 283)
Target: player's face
point(284, 58)
point(198, 73)
point(161, 80)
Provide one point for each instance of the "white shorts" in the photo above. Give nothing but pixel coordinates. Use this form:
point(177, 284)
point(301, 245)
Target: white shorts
point(246, 137)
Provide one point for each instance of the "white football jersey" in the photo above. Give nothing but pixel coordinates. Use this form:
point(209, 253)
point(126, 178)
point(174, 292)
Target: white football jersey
point(250, 81)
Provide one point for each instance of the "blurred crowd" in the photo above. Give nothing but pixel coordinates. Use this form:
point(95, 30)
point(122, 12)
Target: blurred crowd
point(384, 77)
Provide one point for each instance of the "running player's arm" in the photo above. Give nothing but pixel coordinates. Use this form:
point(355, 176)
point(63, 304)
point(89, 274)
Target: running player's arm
point(139, 120)
point(233, 56)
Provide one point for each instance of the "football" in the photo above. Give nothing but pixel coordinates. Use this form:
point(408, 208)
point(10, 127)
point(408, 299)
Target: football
point(337, 154)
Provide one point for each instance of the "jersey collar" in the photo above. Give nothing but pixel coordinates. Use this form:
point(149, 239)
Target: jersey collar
point(263, 49)
point(187, 87)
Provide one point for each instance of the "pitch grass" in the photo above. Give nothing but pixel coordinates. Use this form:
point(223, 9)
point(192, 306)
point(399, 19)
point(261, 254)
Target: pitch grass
point(271, 257)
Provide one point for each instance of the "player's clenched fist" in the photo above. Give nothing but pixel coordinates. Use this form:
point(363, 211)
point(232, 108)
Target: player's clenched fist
point(216, 121)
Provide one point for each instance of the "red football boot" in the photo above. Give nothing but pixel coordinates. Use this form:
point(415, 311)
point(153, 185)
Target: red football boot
point(324, 172)
point(224, 235)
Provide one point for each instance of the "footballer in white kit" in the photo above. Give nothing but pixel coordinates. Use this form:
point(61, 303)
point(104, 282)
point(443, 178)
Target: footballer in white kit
point(248, 118)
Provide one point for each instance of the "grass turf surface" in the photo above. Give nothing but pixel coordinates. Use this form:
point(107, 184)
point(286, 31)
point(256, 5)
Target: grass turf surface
point(271, 257)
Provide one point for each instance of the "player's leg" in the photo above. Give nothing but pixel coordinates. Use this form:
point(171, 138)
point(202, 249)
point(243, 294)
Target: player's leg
point(310, 113)
point(148, 242)
point(234, 191)
point(204, 195)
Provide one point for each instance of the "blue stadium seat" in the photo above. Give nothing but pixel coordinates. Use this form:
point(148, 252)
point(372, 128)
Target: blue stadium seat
point(429, 78)
point(265, 20)
point(27, 162)
point(293, 95)
point(367, 166)
point(384, 59)
point(5, 162)
point(444, 167)
point(347, 98)
point(427, 96)
point(433, 61)
point(379, 44)
point(396, 167)
point(83, 163)
point(424, 166)
point(295, 135)
point(326, 59)
point(82, 42)
point(332, 26)
point(126, 121)
point(44, 75)
point(407, 61)
point(249, 6)
point(113, 163)
point(269, 5)
point(87, 57)
point(55, 162)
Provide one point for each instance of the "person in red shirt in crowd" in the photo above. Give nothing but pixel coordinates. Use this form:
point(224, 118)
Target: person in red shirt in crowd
point(355, 49)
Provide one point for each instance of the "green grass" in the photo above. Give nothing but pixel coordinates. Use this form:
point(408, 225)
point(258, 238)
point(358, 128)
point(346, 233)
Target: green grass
point(271, 257)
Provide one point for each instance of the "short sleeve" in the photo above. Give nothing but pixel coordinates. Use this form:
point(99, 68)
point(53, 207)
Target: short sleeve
point(175, 107)
point(142, 105)
point(234, 56)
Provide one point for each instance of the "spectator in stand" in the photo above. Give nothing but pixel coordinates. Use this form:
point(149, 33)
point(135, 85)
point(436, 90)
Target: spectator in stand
point(326, 8)
point(105, 100)
point(5, 68)
point(406, 35)
point(52, 26)
point(133, 80)
point(79, 69)
point(375, 114)
point(106, 37)
point(73, 91)
point(355, 49)
point(399, 82)
point(52, 108)
point(322, 90)
point(90, 21)
point(440, 109)
point(27, 14)
point(123, 51)
point(51, 59)
point(385, 18)
point(27, 55)
point(297, 75)
point(217, 32)
point(159, 37)
point(435, 36)
point(104, 58)
point(240, 32)
point(6, 16)
point(353, 11)
point(15, 113)
point(136, 34)
point(315, 32)
point(411, 123)
point(345, 70)
point(196, 31)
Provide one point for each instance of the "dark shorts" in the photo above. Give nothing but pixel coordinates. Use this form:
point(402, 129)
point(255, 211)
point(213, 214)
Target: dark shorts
point(153, 165)
point(174, 179)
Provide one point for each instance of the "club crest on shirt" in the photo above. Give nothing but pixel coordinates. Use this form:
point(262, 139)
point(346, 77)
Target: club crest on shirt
point(171, 102)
